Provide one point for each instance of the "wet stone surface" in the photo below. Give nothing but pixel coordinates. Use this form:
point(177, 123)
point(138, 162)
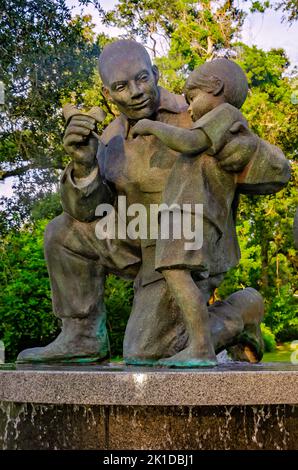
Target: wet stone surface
point(116, 407)
point(28, 426)
point(226, 366)
point(208, 428)
point(31, 426)
point(121, 367)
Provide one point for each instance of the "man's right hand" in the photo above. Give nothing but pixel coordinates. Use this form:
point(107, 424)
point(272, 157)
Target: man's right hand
point(80, 144)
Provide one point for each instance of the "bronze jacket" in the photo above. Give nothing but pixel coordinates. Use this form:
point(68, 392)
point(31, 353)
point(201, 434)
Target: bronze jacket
point(139, 168)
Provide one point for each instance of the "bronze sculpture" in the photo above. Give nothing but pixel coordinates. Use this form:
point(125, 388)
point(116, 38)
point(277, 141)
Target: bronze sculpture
point(139, 167)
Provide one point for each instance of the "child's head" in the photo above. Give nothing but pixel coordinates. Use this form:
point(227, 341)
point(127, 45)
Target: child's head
point(215, 82)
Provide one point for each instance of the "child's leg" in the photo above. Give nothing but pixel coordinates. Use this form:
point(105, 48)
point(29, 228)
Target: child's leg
point(200, 351)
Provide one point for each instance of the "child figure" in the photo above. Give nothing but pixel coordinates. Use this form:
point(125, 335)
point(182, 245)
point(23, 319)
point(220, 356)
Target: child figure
point(215, 92)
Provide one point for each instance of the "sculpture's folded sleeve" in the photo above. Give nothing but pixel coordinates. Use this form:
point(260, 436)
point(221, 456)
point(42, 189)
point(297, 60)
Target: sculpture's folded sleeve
point(266, 173)
point(80, 197)
point(268, 170)
point(216, 125)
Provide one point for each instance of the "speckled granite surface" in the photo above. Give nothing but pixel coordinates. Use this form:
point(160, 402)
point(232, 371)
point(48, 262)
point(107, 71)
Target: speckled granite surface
point(235, 406)
point(230, 384)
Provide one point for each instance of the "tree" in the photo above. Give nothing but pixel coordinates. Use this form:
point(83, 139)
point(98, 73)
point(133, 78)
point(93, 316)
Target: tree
point(46, 56)
point(289, 8)
point(181, 34)
point(270, 109)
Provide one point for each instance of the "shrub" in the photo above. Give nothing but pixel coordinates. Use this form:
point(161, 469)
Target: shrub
point(282, 314)
point(269, 338)
point(118, 301)
point(25, 302)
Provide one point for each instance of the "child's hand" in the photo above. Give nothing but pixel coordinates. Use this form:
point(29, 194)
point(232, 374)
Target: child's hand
point(142, 127)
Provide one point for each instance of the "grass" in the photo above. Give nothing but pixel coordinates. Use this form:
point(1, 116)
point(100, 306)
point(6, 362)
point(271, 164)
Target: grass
point(282, 353)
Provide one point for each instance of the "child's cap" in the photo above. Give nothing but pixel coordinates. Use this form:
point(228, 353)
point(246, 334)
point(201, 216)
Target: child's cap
point(231, 74)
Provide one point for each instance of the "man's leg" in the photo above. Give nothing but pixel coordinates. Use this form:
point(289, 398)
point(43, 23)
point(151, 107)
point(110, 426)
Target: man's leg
point(77, 263)
point(77, 280)
point(156, 328)
point(235, 321)
point(235, 325)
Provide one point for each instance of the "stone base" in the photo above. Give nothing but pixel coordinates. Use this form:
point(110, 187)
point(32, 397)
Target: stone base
point(32, 427)
point(113, 408)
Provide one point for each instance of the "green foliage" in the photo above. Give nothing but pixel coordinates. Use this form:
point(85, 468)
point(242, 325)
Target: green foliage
point(265, 224)
point(45, 56)
point(260, 7)
point(25, 302)
point(269, 338)
point(188, 31)
point(46, 208)
point(269, 108)
point(118, 301)
point(92, 95)
point(269, 261)
point(289, 8)
point(282, 314)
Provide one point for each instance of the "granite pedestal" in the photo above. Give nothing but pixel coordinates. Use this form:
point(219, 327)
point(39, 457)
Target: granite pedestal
point(232, 406)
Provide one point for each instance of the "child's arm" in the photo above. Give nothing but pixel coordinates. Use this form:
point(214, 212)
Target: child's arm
point(182, 140)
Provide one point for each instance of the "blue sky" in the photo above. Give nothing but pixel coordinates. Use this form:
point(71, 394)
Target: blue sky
point(264, 30)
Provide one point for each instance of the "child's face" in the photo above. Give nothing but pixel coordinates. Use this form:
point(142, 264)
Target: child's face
point(200, 102)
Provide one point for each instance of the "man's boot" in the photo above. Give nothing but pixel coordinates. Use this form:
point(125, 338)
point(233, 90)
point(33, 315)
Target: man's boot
point(81, 340)
point(235, 325)
point(77, 282)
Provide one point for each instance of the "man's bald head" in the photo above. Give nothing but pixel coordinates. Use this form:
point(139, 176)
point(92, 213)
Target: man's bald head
point(117, 56)
point(129, 79)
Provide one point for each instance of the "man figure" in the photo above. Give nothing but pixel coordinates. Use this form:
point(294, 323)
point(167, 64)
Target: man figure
point(137, 168)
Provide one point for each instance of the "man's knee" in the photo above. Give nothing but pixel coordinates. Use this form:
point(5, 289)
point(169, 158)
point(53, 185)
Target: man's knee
point(55, 232)
point(250, 302)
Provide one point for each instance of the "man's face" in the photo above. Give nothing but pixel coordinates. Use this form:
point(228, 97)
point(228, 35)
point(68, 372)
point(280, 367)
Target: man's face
point(132, 85)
